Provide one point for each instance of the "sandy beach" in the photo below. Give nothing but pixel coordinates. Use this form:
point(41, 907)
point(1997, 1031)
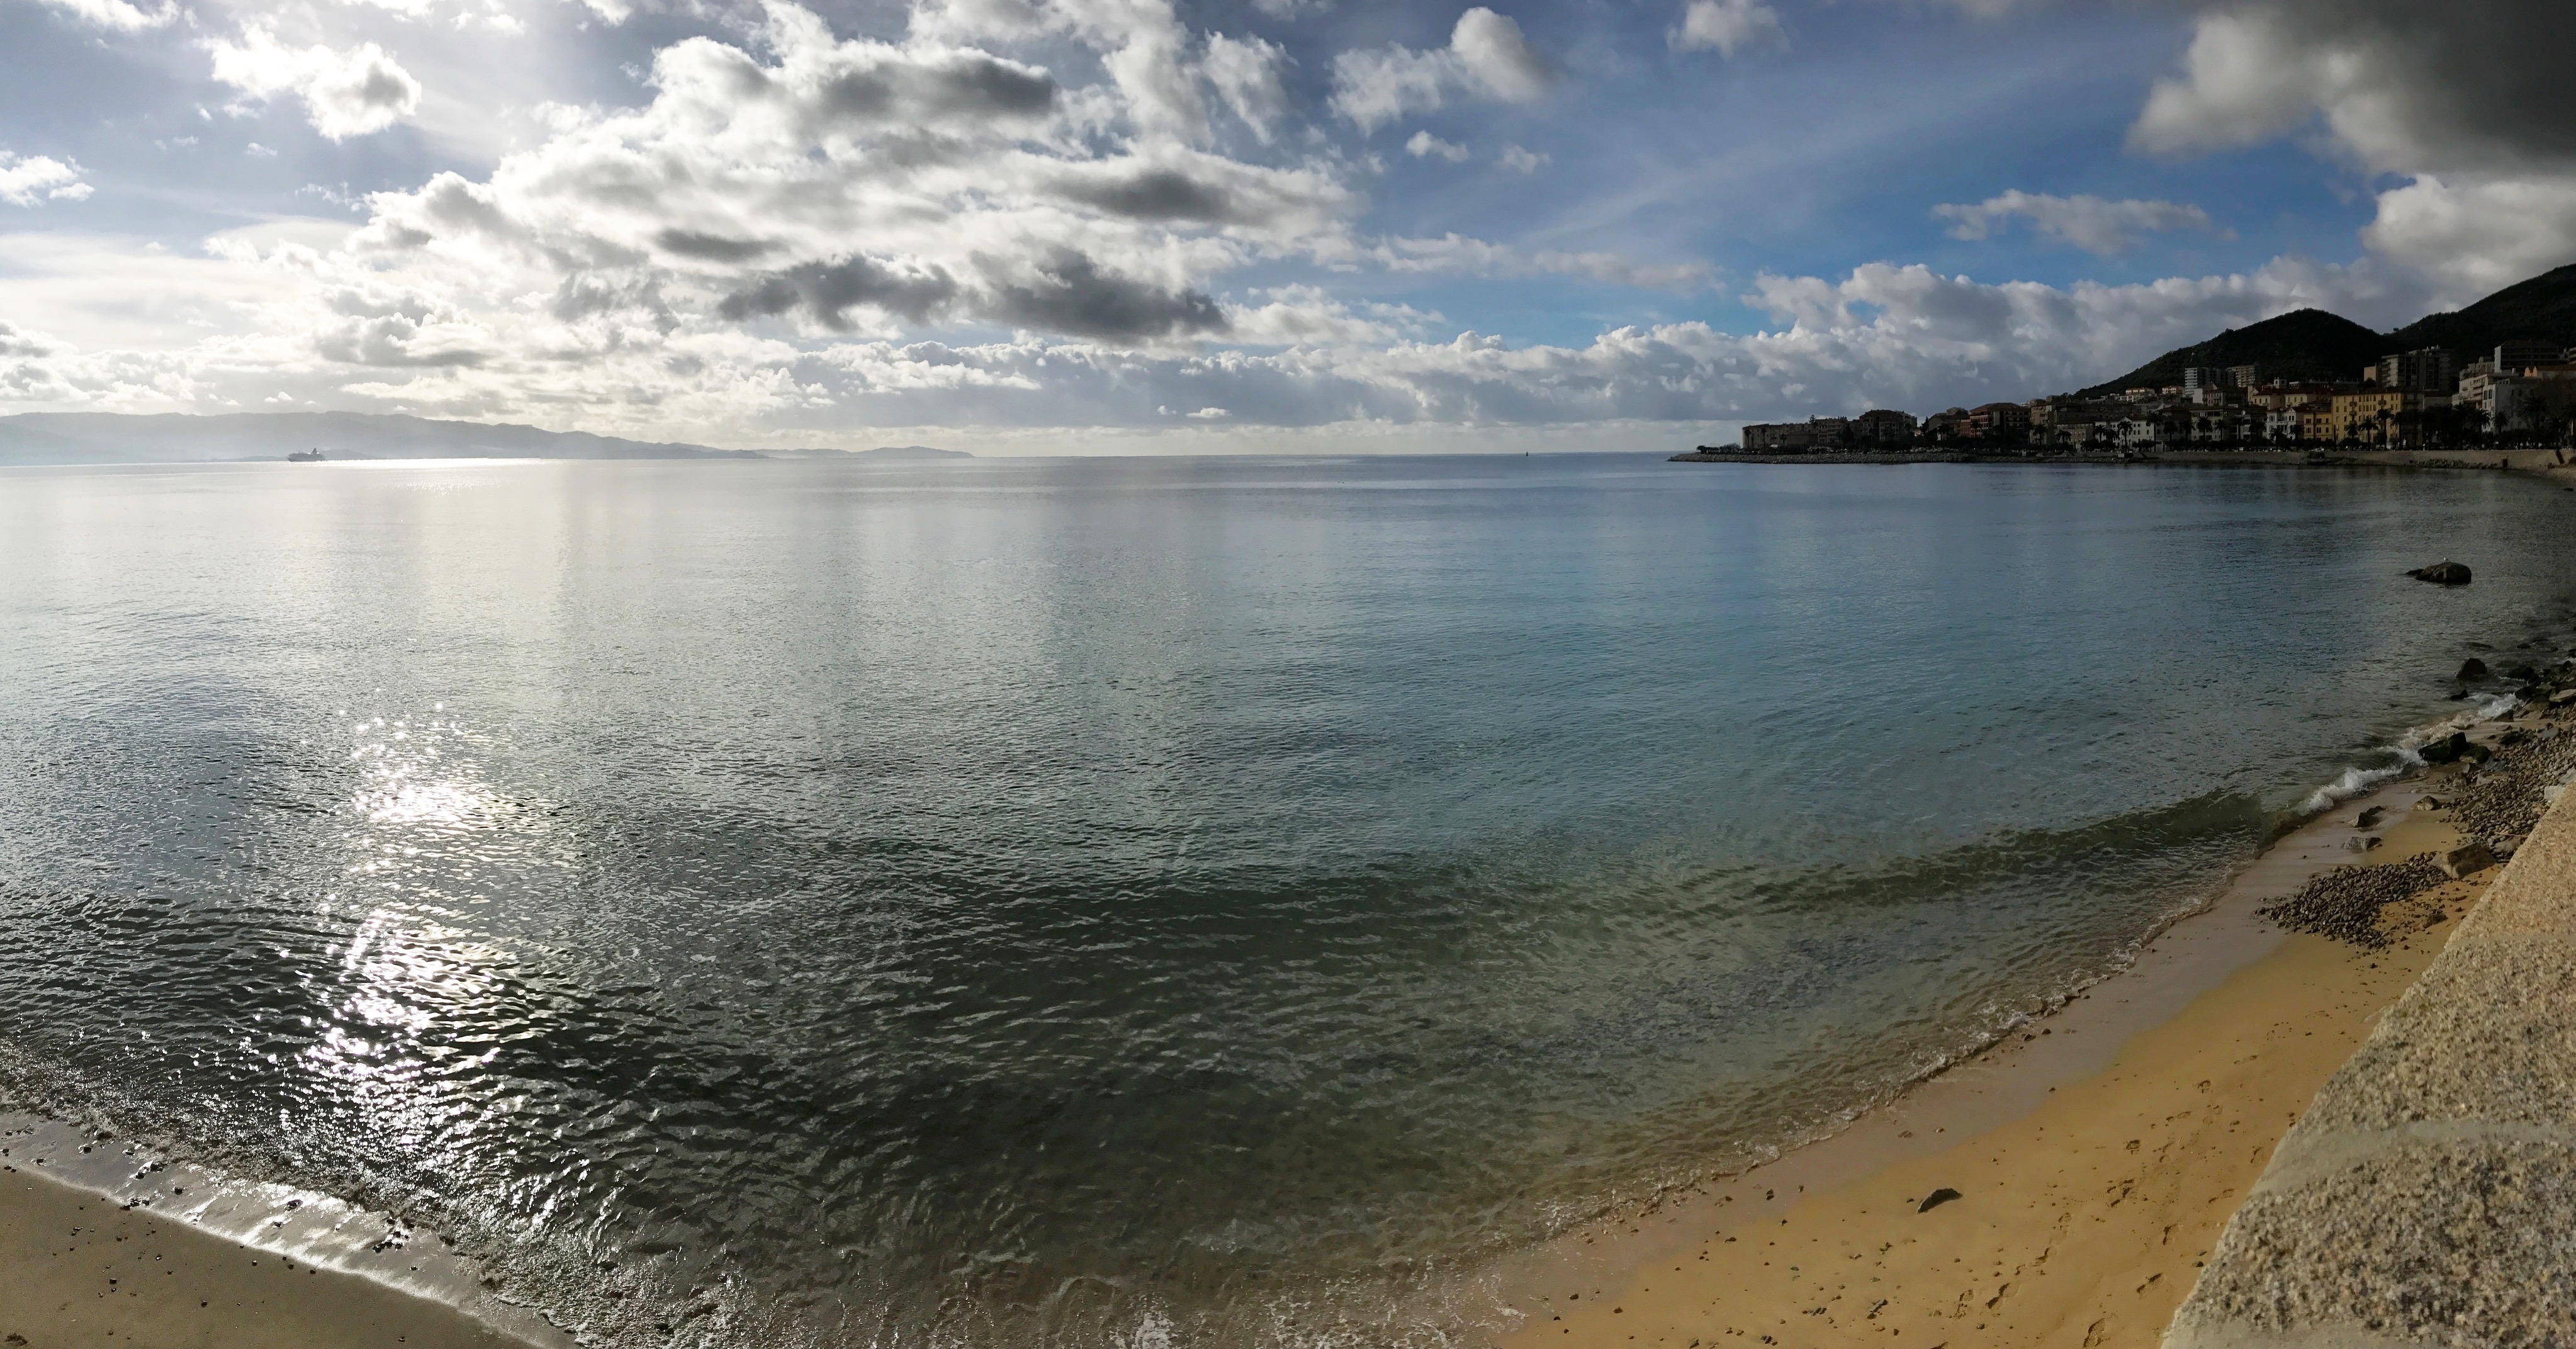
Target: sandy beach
point(2094, 1160)
point(77, 1268)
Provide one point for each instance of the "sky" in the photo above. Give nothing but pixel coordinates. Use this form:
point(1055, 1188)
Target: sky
point(1136, 226)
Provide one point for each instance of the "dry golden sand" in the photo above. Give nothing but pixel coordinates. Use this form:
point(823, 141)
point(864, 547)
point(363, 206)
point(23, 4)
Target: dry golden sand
point(78, 1269)
point(2082, 1218)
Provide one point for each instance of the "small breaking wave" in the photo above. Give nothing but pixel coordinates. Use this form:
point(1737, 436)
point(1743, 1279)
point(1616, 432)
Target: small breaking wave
point(2405, 756)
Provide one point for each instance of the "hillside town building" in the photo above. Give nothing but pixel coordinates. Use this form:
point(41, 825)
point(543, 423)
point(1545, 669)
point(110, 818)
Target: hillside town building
point(2405, 400)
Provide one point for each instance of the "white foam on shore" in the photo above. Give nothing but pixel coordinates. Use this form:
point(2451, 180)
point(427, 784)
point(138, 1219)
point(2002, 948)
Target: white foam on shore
point(320, 1230)
point(2407, 755)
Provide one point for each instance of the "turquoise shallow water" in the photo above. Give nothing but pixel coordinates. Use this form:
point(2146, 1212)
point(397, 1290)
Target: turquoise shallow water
point(1142, 901)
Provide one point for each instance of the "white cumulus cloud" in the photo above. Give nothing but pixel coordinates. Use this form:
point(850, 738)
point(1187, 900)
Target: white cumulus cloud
point(345, 93)
point(1726, 26)
point(1245, 74)
point(1424, 144)
point(120, 15)
point(24, 182)
point(1487, 57)
point(2479, 234)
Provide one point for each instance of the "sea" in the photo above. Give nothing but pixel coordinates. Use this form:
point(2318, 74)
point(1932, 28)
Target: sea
point(1137, 902)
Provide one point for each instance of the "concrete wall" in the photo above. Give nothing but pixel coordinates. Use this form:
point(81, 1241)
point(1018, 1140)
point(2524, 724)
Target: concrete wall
point(2428, 1196)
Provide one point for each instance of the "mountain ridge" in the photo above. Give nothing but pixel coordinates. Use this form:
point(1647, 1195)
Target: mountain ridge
point(233, 437)
point(2304, 344)
point(2314, 344)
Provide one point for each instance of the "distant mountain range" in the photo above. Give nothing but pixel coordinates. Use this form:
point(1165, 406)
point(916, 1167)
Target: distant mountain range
point(899, 453)
point(2312, 344)
point(177, 438)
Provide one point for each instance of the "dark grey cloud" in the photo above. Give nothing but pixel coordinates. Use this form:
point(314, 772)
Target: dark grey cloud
point(1068, 293)
point(970, 85)
point(1157, 194)
point(828, 291)
point(393, 343)
point(712, 247)
point(583, 295)
point(2491, 73)
point(2471, 84)
point(1072, 295)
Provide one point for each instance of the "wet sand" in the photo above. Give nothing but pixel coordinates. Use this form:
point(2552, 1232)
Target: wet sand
point(77, 1268)
point(2096, 1159)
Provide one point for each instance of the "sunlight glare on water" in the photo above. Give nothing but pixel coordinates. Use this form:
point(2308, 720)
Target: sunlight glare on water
point(1109, 902)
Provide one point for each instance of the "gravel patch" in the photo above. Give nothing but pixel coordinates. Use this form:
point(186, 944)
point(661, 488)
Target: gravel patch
point(2346, 903)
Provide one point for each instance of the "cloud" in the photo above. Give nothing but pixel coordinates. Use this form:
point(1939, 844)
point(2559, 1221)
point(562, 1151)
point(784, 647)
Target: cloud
point(396, 333)
point(120, 15)
point(1424, 144)
point(1161, 72)
point(1727, 26)
point(2090, 223)
point(1519, 160)
point(1458, 254)
point(1245, 74)
point(1065, 292)
point(2476, 84)
point(984, 188)
point(2470, 100)
point(2479, 235)
point(346, 93)
point(24, 182)
point(1487, 57)
point(827, 292)
point(1069, 293)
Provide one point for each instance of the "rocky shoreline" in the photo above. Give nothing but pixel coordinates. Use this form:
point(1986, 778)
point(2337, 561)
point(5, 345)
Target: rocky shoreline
point(2493, 786)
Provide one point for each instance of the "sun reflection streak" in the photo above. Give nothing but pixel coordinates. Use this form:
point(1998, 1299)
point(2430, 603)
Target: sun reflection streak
point(418, 1006)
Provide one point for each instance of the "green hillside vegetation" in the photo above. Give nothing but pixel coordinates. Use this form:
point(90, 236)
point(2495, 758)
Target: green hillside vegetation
point(2309, 344)
point(2540, 309)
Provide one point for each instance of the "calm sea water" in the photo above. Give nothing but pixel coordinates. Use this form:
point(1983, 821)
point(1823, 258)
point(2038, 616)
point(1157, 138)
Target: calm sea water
point(1098, 902)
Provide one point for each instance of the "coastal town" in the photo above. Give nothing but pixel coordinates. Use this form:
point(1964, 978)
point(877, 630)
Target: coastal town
point(2520, 394)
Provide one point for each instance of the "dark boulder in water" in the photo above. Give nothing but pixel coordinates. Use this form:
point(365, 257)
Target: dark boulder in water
point(2370, 817)
point(2522, 672)
point(2472, 668)
point(2444, 572)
